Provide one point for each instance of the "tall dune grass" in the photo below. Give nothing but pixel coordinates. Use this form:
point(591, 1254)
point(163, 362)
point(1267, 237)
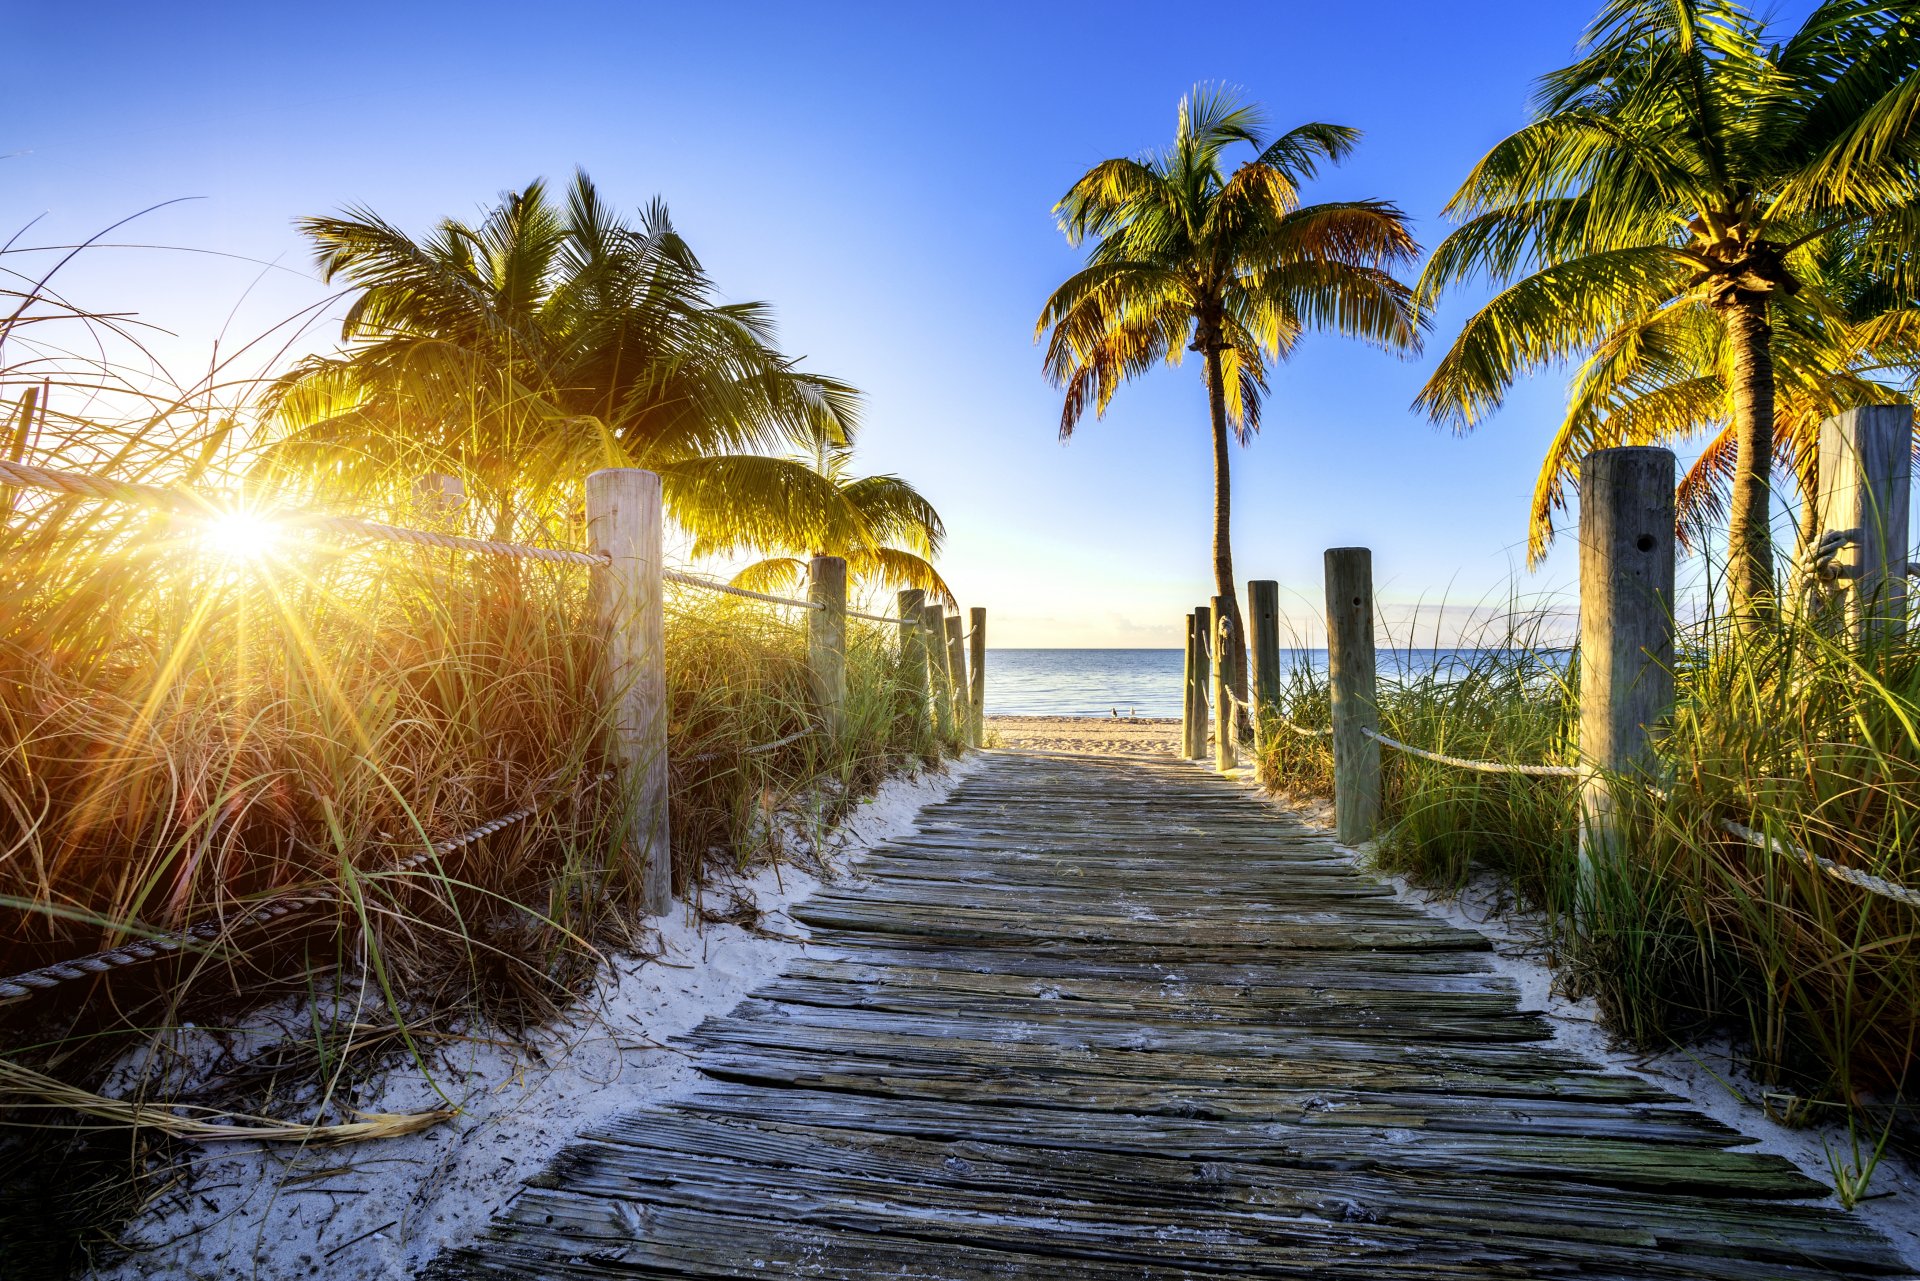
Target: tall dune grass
point(1795, 733)
point(193, 725)
point(191, 732)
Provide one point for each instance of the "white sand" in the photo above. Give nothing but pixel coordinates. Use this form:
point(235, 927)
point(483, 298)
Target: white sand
point(1112, 735)
point(381, 1209)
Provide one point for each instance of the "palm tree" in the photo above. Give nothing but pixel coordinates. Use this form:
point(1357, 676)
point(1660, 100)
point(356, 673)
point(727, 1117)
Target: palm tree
point(520, 352)
point(1678, 390)
point(1189, 257)
point(1685, 168)
point(899, 533)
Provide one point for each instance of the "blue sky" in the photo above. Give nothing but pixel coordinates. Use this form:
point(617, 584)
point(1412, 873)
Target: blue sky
point(883, 175)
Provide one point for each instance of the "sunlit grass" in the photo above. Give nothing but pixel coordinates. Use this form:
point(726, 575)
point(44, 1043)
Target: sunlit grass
point(1794, 733)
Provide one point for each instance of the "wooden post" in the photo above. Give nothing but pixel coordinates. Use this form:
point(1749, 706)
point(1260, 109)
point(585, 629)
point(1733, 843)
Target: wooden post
point(1187, 678)
point(957, 670)
point(1350, 682)
point(1865, 478)
point(977, 670)
point(1263, 619)
point(1202, 680)
point(913, 656)
point(1626, 631)
point(623, 523)
point(827, 641)
point(939, 674)
point(1225, 723)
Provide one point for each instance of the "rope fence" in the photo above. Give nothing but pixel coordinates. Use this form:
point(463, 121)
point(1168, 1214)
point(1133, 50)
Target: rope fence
point(188, 502)
point(1461, 762)
point(1627, 590)
point(19, 987)
point(778, 743)
point(81, 485)
point(684, 579)
point(1849, 875)
point(629, 501)
point(1840, 872)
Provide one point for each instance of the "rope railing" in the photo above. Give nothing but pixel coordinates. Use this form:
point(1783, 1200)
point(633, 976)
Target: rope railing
point(1482, 767)
point(626, 498)
point(1839, 871)
point(684, 579)
point(20, 987)
point(187, 502)
point(778, 743)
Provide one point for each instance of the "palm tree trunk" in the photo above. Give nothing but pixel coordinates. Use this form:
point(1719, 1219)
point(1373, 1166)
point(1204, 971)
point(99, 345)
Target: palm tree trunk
point(1223, 530)
point(1749, 539)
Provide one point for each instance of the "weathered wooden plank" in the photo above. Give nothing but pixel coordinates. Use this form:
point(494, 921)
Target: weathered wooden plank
point(1114, 1019)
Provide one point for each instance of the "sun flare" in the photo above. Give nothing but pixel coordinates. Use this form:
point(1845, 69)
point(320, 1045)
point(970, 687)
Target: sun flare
point(240, 535)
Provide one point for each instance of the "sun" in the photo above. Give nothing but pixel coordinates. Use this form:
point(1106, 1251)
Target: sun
point(239, 535)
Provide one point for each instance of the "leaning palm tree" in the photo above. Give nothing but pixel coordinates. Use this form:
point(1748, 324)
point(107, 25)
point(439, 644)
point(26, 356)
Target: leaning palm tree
point(547, 339)
point(1678, 391)
point(1685, 166)
point(1189, 256)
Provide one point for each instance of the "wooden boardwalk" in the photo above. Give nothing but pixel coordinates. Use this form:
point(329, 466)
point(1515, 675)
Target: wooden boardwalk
point(1103, 1019)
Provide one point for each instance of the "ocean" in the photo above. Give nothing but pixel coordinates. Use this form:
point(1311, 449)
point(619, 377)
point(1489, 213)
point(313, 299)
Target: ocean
point(1132, 682)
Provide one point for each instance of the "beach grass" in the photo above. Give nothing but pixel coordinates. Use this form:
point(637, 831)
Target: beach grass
point(1794, 732)
point(206, 716)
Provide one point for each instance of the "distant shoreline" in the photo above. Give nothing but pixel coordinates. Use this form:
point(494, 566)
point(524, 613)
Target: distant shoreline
point(1106, 735)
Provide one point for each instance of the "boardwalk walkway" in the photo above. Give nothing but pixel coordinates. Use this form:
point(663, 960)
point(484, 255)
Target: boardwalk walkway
point(1110, 1019)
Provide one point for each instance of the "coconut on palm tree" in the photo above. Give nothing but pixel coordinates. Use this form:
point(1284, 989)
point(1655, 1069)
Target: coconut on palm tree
point(1687, 166)
point(521, 352)
point(1191, 255)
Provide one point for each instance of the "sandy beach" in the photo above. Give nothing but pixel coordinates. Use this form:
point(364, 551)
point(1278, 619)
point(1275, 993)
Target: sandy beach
point(1100, 735)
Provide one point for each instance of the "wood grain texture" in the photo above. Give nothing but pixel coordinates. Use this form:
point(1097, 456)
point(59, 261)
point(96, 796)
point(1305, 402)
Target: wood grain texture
point(623, 524)
point(1105, 1019)
point(1626, 633)
point(1352, 693)
point(1866, 475)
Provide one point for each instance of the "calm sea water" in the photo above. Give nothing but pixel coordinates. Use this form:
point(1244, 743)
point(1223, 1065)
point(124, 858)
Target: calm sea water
point(1133, 682)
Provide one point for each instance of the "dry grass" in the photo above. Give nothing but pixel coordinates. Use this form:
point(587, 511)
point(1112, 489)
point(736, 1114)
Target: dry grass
point(193, 724)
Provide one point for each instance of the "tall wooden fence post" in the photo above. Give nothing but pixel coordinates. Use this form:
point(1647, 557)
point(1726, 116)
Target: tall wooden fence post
point(1186, 693)
point(1351, 684)
point(913, 657)
point(939, 673)
point(1225, 722)
point(1263, 620)
point(1865, 478)
point(977, 670)
point(623, 524)
point(1202, 680)
point(1626, 631)
point(957, 668)
point(827, 640)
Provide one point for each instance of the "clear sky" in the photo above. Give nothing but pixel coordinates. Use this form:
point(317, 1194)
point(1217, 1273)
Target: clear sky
point(883, 175)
